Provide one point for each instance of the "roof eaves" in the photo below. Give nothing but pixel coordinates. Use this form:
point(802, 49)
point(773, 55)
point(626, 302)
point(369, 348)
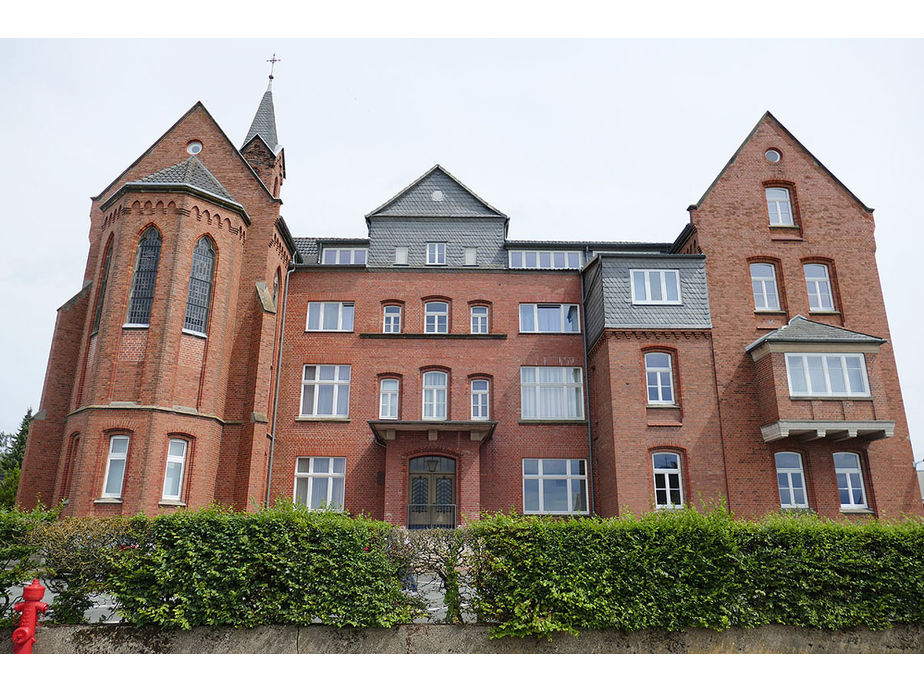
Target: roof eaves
point(283, 229)
point(178, 187)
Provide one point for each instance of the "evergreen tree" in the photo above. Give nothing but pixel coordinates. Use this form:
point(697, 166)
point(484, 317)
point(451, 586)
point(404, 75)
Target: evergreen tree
point(11, 454)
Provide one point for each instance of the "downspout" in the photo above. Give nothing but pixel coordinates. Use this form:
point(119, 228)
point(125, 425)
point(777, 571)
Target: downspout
point(282, 339)
point(590, 442)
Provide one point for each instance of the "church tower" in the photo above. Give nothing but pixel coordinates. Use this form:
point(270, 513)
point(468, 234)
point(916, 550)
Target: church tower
point(158, 390)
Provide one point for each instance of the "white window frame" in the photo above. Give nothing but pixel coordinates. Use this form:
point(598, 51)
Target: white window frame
point(471, 257)
point(436, 315)
point(437, 409)
point(389, 400)
point(115, 457)
point(391, 323)
point(848, 472)
point(789, 484)
point(541, 476)
point(776, 208)
point(564, 309)
point(803, 358)
point(544, 259)
point(479, 319)
point(323, 307)
point(667, 474)
point(661, 275)
point(320, 477)
point(759, 288)
point(401, 255)
point(481, 399)
point(660, 373)
point(436, 253)
point(341, 390)
point(570, 391)
point(355, 255)
point(813, 287)
point(176, 460)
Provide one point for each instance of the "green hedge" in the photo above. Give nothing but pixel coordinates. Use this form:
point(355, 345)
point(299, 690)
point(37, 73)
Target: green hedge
point(17, 564)
point(679, 570)
point(278, 566)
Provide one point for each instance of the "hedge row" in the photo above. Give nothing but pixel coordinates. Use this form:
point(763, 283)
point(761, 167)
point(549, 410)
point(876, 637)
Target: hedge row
point(17, 565)
point(680, 570)
point(527, 576)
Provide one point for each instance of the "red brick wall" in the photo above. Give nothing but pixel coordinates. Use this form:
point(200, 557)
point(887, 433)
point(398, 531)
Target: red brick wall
point(501, 457)
point(732, 226)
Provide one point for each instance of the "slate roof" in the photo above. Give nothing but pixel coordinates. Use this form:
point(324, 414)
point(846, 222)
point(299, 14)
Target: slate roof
point(416, 200)
point(801, 330)
point(191, 173)
point(264, 122)
point(308, 248)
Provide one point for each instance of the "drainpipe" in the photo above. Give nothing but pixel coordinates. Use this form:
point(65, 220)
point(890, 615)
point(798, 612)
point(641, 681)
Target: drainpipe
point(282, 339)
point(590, 442)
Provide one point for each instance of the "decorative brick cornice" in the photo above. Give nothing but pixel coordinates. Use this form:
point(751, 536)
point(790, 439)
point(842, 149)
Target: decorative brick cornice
point(658, 335)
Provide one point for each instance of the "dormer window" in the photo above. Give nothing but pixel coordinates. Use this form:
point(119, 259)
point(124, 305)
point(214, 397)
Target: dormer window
point(544, 259)
point(655, 287)
point(343, 256)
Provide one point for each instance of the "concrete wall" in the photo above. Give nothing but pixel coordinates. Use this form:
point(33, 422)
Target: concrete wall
point(433, 639)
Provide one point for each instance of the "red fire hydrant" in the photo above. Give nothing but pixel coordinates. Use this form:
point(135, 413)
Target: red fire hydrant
point(30, 607)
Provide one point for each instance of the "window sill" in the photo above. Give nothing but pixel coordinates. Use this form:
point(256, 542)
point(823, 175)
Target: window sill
point(329, 331)
point(171, 503)
point(324, 419)
point(857, 511)
point(832, 398)
point(770, 312)
point(191, 333)
point(428, 335)
point(575, 334)
point(655, 405)
point(785, 227)
point(824, 312)
point(530, 422)
point(107, 501)
point(540, 513)
point(134, 326)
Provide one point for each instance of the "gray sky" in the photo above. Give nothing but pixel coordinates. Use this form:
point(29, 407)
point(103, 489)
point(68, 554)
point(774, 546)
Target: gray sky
point(608, 140)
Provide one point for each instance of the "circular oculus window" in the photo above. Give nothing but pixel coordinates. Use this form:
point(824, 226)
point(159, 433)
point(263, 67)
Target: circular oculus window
point(437, 196)
point(773, 155)
point(194, 147)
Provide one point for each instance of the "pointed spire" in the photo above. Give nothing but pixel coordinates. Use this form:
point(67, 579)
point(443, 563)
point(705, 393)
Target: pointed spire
point(264, 121)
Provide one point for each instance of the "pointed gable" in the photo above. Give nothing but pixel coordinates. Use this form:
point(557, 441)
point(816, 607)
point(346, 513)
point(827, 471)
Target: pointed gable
point(437, 193)
point(769, 119)
point(191, 173)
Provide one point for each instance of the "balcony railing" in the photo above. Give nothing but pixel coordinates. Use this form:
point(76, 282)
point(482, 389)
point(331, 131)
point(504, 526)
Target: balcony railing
point(436, 516)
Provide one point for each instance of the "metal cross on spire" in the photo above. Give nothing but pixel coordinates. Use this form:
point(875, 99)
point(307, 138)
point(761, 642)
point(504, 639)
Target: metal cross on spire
point(273, 62)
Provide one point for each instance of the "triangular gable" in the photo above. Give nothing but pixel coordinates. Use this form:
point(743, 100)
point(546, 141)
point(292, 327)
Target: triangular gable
point(768, 116)
point(437, 193)
point(191, 172)
point(198, 105)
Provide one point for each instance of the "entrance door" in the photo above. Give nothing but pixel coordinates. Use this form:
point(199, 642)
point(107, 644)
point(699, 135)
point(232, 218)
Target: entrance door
point(432, 486)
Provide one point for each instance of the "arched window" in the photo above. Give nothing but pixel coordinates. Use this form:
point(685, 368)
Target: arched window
point(102, 287)
point(659, 378)
point(435, 395)
point(139, 305)
point(790, 479)
point(200, 287)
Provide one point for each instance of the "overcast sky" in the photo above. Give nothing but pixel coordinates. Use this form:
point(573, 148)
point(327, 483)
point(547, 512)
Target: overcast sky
point(608, 140)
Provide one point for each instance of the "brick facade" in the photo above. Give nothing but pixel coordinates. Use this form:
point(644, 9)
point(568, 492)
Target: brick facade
point(722, 413)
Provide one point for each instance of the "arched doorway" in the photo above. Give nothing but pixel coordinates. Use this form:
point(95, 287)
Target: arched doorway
point(432, 493)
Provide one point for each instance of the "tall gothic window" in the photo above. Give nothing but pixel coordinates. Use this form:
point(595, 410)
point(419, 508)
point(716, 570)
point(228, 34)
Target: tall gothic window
point(139, 305)
point(102, 288)
point(200, 287)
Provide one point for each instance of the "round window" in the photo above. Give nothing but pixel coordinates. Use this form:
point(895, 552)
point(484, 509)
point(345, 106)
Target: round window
point(194, 147)
point(437, 196)
point(773, 155)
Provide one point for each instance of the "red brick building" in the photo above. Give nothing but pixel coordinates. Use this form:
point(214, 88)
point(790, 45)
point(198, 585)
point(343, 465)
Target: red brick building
point(436, 369)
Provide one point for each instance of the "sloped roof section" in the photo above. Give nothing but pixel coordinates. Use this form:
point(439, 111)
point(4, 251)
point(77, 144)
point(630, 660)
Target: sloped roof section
point(768, 116)
point(437, 193)
point(801, 330)
point(192, 173)
point(264, 122)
